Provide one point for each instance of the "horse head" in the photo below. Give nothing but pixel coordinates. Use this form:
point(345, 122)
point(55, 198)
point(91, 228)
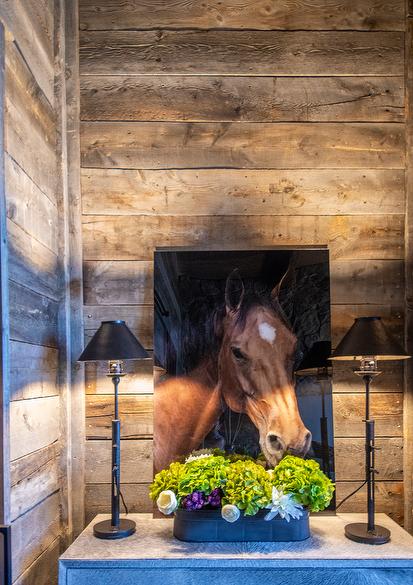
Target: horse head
point(256, 370)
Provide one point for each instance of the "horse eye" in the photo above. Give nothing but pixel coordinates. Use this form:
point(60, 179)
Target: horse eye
point(237, 353)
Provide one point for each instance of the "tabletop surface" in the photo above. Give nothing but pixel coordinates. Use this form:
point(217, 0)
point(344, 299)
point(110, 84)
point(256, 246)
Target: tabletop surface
point(153, 541)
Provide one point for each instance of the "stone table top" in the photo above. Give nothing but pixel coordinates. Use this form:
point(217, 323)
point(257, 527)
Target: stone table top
point(327, 547)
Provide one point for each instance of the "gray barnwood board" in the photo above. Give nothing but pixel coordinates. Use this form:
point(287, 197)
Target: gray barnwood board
point(138, 379)
point(139, 319)
point(34, 488)
point(389, 498)
point(350, 456)
point(242, 192)
point(33, 317)
point(248, 14)
point(390, 380)
point(43, 571)
point(31, 24)
point(34, 532)
point(30, 124)
point(342, 317)
point(386, 410)
point(242, 99)
point(136, 461)
point(32, 264)
point(239, 52)
point(28, 465)
point(97, 498)
point(33, 371)
point(351, 281)
point(348, 237)
point(136, 414)
point(172, 145)
point(34, 424)
point(29, 208)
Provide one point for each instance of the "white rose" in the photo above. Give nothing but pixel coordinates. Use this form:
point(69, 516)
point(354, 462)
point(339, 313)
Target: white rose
point(230, 513)
point(167, 502)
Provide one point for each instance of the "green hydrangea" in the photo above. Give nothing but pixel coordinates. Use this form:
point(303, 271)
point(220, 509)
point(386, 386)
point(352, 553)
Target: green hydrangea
point(248, 486)
point(204, 475)
point(304, 478)
point(167, 479)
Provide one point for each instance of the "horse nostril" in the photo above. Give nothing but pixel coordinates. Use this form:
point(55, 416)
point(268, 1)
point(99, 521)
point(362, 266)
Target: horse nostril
point(308, 438)
point(275, 443)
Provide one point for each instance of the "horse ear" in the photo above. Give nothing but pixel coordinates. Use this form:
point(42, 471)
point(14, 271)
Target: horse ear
point(288, 278)
point(234, 292)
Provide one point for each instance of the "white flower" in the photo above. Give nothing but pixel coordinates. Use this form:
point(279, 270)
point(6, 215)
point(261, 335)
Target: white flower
point(284, 505)
point(167, 502)
point(195, 457)
point(230, 513)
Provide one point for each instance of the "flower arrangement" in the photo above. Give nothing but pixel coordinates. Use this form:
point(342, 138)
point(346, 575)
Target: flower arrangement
point(238, 484)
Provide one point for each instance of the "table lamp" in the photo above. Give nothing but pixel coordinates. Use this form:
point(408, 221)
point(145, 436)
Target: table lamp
point(114, 342)
point(368, 341)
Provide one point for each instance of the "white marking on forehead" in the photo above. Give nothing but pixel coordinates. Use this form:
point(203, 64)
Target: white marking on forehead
point(267, 332)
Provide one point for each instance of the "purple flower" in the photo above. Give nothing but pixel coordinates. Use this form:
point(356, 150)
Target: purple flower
point(214, 498)
point(194, 501)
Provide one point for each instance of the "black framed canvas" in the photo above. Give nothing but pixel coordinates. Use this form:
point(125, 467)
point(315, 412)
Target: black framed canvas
point(235, 337)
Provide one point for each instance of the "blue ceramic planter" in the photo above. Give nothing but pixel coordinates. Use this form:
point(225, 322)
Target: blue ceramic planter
point(209, 526)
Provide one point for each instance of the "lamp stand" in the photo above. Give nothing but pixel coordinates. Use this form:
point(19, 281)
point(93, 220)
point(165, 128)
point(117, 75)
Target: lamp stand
point(116, 527)
point(369, 533)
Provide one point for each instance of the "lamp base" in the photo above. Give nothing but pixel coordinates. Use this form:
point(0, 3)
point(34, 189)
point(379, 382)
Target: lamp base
point(360, 533)
point(105, 529)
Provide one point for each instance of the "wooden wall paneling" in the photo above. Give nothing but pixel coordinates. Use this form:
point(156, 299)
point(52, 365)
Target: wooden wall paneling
point(390, 380)
point(242, 192)
point(4, 315)
point(350, 454)
point(389, 498)
point(43, 570)
point(408, 337)
point(97, 498)
point(34, 371)
point(123, 282)
point(243, 99)
point(138, 379)
point(386, 409)
point(136, 461)
point(262, 53)
point(136, 414)
point(249, 14)
point(167, 145)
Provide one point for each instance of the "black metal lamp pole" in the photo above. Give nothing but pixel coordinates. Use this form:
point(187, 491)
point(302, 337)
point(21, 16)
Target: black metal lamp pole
point(114, 342)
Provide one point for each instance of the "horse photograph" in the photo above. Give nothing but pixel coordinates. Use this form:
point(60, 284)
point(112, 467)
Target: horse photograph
point(232, 329)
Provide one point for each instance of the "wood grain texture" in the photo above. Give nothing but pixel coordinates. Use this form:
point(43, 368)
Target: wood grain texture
point(43, 571)
point(124, 282)
point(33, 371)
point(26, 466)
point(350, 454)
point(168, 145)
point(32, 25)
point(252, 99)
point(136, 461)
point(97, 498)
point(250, 14)
point(386, 409)
point(138, 379)
point(34, 532)
point(34, 424)
point(342, 317)
point(136, 414)
point(30, 124)
point(242, 53)
point(139, 319)
point(390, 380)
point(348, 237)
point(242, 192)
point(389, 498)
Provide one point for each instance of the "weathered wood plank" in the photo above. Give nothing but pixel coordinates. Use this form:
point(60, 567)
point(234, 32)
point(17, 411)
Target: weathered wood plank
point(97, 498)
point(390, 380)
point(33, 371)
point(169, 145)
point(136, 461)
point(350, 455)
point(342, 318)
point(31, 23)
point(238, 52)
point(242, 192)
point(386, 409)
point(139, 319)
point(34, 424)
point(389, 498)
point(252, 99)
point(250, 14)
point(28, 207)
point(34, 532)
point(43, 571)
point(27, 465)
point(32, 264)
point(106, 283)
point(30, 124)
point(348, 237)
point(139, 378)
point(34, 488)
point(136, 414)
point(33, 318)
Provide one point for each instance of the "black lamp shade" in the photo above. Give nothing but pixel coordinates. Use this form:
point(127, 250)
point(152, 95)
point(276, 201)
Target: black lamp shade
point(317, 358)
point(113, 341)
point(368, 337)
